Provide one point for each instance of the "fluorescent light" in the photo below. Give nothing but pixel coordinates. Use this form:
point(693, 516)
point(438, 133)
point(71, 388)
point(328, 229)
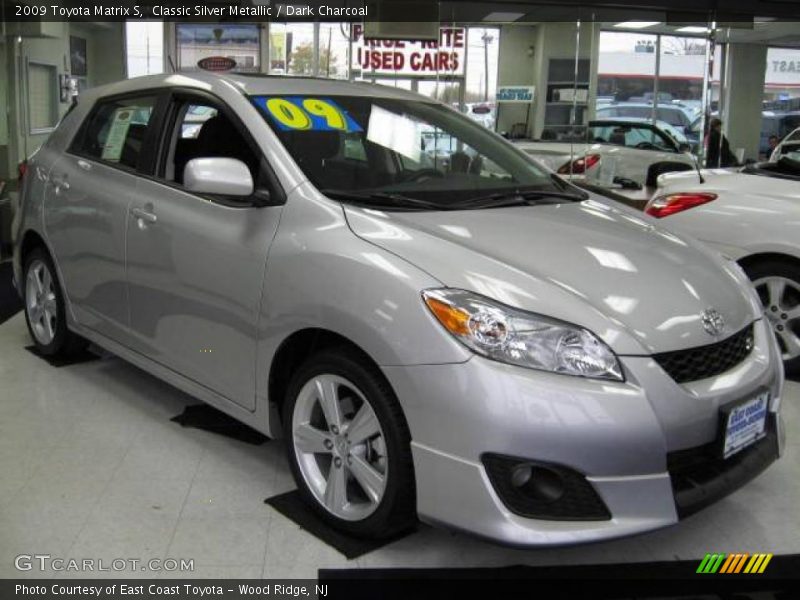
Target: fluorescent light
point(503, 17)
point(636, 24)
point(693, 29)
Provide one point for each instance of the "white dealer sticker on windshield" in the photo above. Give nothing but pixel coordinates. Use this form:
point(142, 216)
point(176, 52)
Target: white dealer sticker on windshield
point(396, 132)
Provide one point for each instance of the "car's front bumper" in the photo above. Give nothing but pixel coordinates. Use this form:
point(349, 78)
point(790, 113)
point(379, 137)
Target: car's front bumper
point(618, 435)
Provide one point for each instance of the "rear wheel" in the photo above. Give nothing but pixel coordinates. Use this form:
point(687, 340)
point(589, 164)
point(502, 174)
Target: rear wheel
point(45, 313)
point(778, 287)
point(348, 445)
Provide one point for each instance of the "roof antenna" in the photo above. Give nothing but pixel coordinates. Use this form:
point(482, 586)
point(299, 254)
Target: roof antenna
point(171, 64)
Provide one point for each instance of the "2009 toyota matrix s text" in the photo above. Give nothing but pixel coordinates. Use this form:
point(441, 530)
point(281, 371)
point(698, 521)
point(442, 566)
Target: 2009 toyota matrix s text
point(438, 325)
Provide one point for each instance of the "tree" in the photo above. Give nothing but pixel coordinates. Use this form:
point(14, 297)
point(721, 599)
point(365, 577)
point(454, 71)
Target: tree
point(301, 61)
point(682, 45)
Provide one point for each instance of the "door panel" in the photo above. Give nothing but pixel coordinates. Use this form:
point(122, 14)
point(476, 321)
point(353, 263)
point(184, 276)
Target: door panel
point(195, 273)
point(87, 207)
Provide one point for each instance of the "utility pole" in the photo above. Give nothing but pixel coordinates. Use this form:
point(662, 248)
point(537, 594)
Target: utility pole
point(487, 39)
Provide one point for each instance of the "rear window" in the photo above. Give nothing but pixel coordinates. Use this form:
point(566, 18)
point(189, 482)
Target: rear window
point(116, 130)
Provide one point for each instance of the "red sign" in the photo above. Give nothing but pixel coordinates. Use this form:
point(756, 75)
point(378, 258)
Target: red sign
point(216, 63)
point(445, 56)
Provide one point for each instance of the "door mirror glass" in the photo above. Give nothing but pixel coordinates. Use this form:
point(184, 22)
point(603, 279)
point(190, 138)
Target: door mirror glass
point(684, 147)
point(225, 176)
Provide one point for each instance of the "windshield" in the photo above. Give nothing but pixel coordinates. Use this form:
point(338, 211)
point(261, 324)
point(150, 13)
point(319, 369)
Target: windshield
point(630, 136)
point(414, 149)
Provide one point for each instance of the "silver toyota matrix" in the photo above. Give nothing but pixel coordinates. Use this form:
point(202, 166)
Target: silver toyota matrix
point(439, 326)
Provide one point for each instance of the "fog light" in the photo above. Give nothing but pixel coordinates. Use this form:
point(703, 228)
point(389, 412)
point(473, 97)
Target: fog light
point(538, 482)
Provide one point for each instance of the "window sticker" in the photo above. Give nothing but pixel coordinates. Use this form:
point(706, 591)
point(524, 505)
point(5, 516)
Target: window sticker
point(299, 113)
point(115, 140)
point(396, 132)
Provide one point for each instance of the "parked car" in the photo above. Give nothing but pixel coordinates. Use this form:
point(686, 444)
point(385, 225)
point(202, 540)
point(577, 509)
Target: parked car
point(779, 124)
point(676, 115)
point(614, 150)
point(750, 214)
point(483, 345)
point(788, 147)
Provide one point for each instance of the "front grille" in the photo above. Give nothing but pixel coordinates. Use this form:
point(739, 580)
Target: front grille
point(707, 361)
point(577, 502)
point(700, 476)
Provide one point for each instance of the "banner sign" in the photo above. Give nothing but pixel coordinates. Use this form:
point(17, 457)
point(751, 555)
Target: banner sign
point(445, 57)
point(515, 94)
point(298, 113)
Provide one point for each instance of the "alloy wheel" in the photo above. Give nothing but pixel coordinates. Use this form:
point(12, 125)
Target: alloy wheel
point(340, 447)
point(780, 298)
point(40, 302)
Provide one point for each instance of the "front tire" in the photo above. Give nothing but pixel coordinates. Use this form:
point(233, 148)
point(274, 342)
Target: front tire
point(348, 445)
point(778, 287)
point(45, 312)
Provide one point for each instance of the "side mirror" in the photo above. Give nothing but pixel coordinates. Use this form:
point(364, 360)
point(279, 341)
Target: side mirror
point(684, 147)
point(226, 176)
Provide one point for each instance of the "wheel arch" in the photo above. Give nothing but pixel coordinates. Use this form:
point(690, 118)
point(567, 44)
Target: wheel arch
point(293, 352)
point(31, 239)
point(760, 257)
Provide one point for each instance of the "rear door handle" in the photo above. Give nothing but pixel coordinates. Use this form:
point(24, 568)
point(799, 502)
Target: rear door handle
point(144, 215)
point(59, 183)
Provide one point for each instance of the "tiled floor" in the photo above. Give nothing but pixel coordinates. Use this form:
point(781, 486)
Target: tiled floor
point(91, 467)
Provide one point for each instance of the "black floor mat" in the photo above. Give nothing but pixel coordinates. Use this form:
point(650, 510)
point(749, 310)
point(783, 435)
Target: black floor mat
point(54, 361)
point(208, 418)
point(10, 302)
point(292, 506)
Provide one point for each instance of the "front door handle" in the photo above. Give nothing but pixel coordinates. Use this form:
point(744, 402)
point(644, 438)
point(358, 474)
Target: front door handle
point(144, 215)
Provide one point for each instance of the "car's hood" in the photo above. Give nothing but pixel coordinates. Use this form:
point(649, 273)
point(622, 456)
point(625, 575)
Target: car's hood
point(640, 288)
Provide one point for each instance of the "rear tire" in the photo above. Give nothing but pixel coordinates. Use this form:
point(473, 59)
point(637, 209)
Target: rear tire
point(349, 446)
point(45, 312)
point(777, 284)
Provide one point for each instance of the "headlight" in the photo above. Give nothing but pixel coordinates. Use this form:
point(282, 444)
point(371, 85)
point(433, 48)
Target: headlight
point(520, 338)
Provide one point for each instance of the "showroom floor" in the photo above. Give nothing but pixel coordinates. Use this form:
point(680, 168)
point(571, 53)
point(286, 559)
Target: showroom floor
point(92, 467)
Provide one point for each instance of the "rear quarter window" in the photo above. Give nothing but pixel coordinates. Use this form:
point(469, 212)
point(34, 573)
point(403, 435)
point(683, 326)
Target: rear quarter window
point(115, 130)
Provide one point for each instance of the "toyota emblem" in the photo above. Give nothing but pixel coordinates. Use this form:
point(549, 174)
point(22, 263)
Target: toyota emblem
point(713, 321)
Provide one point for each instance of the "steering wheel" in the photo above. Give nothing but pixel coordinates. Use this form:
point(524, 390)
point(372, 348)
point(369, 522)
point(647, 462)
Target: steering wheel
point(423, 174)
point(646, 146)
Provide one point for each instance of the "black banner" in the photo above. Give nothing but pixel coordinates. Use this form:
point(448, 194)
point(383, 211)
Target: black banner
point(727, 12)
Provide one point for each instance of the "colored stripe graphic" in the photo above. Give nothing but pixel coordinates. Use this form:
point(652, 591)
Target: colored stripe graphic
point(711, 563)
point(738, 562)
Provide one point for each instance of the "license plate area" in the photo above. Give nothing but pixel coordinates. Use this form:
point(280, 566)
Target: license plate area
point(744, 422)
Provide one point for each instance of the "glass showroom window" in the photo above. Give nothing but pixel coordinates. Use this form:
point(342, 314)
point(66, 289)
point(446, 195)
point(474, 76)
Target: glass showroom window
point(626, 72)
point(144, 44)
point(334, 44)
point(239, 42)
point(292, 49)
point(483, 44)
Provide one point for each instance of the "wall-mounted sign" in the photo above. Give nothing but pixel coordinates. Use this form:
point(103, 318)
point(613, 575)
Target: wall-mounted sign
point(515, 94)
point(216, 63)
point(445, 56)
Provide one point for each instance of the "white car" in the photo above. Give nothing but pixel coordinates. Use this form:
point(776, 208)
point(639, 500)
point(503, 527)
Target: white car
point(633, 152)
point(789, 146)
point(751, 215)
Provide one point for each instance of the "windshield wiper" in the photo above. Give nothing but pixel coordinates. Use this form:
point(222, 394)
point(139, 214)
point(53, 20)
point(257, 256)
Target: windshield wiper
point(383, 200)
point(518, 198)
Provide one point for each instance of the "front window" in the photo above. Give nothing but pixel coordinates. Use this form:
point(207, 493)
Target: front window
point(420, 150)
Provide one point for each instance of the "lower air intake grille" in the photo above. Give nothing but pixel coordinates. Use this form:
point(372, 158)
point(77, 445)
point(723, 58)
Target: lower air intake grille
point(707, 361)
